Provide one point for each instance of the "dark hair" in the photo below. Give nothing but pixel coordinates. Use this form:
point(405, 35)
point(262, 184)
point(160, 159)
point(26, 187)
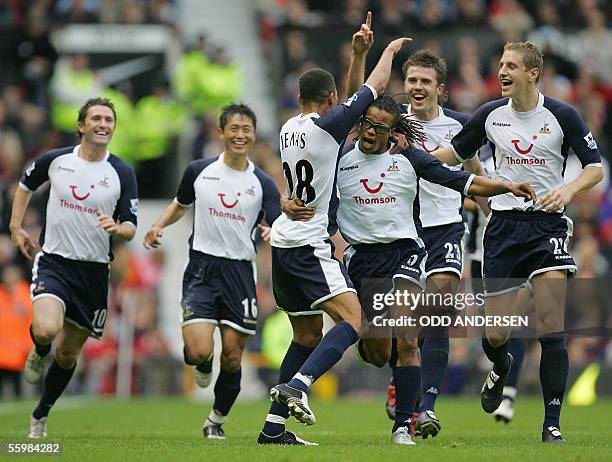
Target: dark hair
point(100, 101)
point(410, 128)
point(316, 85)
point(424, 58)
point(233, 109)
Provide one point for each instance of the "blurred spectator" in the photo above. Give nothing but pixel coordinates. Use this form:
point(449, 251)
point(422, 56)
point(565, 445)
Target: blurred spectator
point(593, 45)
point(510, 19)
point(548, 35)
point(15, 319)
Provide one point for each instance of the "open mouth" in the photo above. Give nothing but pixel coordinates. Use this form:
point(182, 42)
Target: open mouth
point(101, 132)
point(506, 83)
point(367, 142)
point(239, 144)
point(418, 98)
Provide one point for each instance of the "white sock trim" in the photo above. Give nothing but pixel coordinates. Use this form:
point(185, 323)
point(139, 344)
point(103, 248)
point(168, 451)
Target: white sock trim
point(306, 380)
point(216, 418)
point(277, 419)
point(510, 392)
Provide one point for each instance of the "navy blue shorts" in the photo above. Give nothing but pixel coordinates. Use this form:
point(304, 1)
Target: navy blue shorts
point(80, 286)
point(219, 290)
point(520, 245)
point(384, 262)
point(305, 276)
point(444, 245)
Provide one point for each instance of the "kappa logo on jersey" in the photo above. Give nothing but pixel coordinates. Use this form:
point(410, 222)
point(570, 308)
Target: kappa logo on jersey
point(66, 169)
point(364, 182)
point(393, 167)
point(225, 204)
point(427, 150)
point(73, 188)
point(590, 141)
point(134, 206)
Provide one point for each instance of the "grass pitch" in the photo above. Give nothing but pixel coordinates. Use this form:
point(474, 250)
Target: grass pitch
point(347, 430)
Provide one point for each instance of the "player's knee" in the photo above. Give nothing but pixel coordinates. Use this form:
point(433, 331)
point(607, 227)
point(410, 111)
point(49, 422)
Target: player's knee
point(231, 359)
point(497, 340)
point(308, 339)
point(196, 354)
point(378, 357)
point(407, 352)
point(46, 330)
point(66, 359)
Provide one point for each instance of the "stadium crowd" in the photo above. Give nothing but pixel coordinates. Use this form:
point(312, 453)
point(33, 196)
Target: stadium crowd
point(296, 36)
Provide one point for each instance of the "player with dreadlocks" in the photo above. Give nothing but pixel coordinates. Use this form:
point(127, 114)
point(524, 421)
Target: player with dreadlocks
point(378, 215)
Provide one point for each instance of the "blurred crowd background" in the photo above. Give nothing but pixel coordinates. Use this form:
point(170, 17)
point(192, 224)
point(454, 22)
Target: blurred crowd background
point(168, 100)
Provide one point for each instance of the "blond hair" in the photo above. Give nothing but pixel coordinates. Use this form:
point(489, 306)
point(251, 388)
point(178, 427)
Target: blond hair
point(533, 58)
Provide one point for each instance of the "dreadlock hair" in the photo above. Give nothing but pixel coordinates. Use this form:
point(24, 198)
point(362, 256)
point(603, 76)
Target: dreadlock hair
point(410, 128)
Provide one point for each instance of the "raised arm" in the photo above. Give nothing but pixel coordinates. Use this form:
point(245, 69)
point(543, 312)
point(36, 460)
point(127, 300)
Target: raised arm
point(379, 78)
point(361, 43)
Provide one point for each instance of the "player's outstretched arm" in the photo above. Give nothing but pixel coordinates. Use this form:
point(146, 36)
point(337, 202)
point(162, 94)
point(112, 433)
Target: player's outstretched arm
point(361, 43)
point(559, 198)
point(379, 78)
point(20, 237)
point(474, 166)
point(173, 213)
point(483, 186)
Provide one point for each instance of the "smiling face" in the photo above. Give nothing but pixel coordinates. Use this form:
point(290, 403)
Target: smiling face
point(374, 130)
point(421, 85)
point(516, 80)
point(98, 126)
point(238, 135)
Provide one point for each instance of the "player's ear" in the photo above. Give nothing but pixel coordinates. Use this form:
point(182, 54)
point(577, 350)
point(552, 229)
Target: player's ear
point(534, 74)
point(220, 131)
point(441, 88)
point(300, 100)
point(80, 126)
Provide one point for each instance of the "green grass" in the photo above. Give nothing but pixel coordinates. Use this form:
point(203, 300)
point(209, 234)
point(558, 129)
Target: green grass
point(348, 430)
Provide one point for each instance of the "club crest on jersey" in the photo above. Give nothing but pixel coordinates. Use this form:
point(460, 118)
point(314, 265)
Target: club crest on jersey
point(393, 167)
point(78, 197)
point(104, 182)
point(449, 136)
point(364, 182)
point(134, 206)
point(545, 130)
point(250, 191)
point(228, 205)
point(590, 141)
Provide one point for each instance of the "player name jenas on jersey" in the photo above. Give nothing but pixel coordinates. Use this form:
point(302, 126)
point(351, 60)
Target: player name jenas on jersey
point(293, 139)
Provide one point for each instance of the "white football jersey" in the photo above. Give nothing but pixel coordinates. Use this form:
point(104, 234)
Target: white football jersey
point(528, 146)
point(379, 193)
point(439, 205)
point(79, 189)
point(309, 147)
point(229, 204)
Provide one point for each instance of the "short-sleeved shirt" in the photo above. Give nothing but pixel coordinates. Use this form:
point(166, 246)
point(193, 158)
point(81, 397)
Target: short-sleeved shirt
point(528, 146)
point(229, 204)
point(79, 189)
point(309, 147)
point(379, 194)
